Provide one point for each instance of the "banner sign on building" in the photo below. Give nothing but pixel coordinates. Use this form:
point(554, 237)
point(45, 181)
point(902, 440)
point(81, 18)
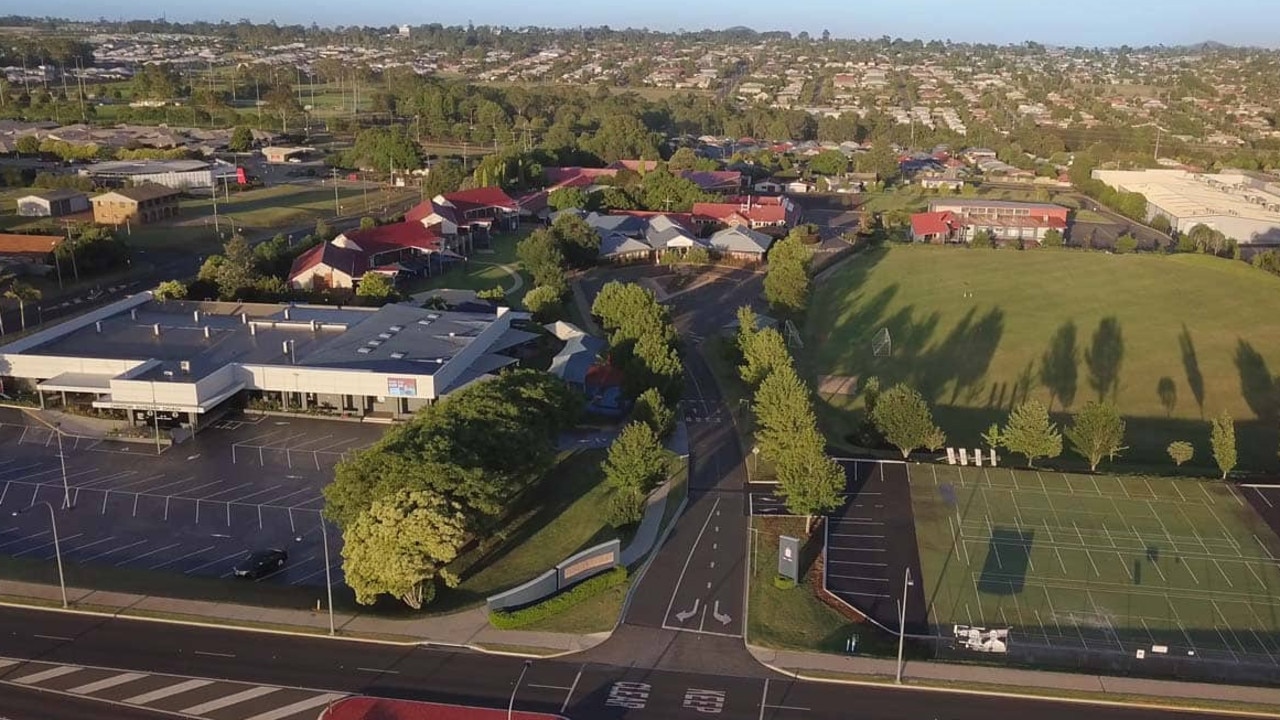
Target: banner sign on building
point(402, 387)
point(789, 557)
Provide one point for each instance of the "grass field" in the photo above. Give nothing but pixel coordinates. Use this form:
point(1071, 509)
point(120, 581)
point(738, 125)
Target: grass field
point(1171, 339)
point(484, 271)
point(1099, 562)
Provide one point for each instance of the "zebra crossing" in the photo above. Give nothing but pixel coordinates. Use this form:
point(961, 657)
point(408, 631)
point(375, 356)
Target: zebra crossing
point(703, 411)
point(201, 698)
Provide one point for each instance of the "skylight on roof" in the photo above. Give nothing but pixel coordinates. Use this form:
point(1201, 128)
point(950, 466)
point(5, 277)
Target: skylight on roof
point(364, 350)
point(397, 356)
point(396, 328)
point(373, 343)
point(385, 336)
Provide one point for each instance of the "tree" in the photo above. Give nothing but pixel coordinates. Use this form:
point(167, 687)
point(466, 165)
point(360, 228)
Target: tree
point(829, 162)
point(983, 239)
point(241, 139)
point(783, 413)
point(23, 293)
point(696, 255)
point(171, 290)
point(786, 280)
point(1030, 432)
point(385, 149)
point(238, 269)
point(636, 464)
point(368, 223)
point(652, 410)
point(762, 352)
point(579, 242)
point(567, 197)
point(809, 481)
point(400, 545)
point(543, 301)
point(445, 176)
point(1096, 433)
point(541, 256)
point(1052, 238)
point(1222, 438)
point(1180, 450)
point(683, 159)
point(903, 417)
point(1126, 243)
point(377, 288)
point(281, 100)
point(323, 232)
point(616, 198)
point(1161, 224)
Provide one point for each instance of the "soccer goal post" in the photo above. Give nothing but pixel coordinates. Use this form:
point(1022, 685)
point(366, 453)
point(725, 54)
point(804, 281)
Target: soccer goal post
point(882, 344)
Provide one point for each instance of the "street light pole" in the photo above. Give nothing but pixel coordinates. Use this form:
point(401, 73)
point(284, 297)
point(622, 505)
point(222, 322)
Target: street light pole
point(328, 578)
point(66, 491)
point(511, 705)
point(902, 621)
point(57, 549)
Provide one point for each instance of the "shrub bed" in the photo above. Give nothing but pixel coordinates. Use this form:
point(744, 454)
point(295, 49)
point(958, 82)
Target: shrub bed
point(556, 604)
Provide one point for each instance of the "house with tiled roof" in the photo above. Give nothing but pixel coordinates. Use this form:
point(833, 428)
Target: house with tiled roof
point(397, 250)
point(466, 213)
point(960, 220)
point(752, 211)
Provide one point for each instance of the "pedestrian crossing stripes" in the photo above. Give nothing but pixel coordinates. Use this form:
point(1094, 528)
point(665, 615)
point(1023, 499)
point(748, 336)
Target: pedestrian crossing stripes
point(203, 698)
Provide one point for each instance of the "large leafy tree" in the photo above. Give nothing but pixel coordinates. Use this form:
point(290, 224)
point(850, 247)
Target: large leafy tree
point(567, 197)
point(400, 544)
point(1222, 438)
point(762, 353)
point(829, 162)
point(904, 419)
point(578, 241)
point(238, 269)
point(1096, 432)
point(376, 288)
point(652, 409)
point(1030, 432)
point(445, 176)
point(541, 256)
point(809, 481)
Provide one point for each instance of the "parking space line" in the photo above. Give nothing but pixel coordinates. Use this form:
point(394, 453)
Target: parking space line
point(86, 545)
point(156, 490)
point(46, 545)
point(4, 492)
point(237, 553)
point(303, 579)
point(147, 554)
point(24, 537)
point(141, 481)
point(184, 557)
point(220, 492)
point(113, 550)
point(275, 501)
point(242, 498)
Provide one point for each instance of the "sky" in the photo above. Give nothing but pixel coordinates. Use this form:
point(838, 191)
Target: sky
point(1101, 23)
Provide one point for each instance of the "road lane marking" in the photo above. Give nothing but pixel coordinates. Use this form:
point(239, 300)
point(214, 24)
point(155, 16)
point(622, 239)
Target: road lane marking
point(164, 692)
point(298, 707)
point(572, 687)
point(213, 654)
point(379, 670)
point(546, 687)
point(49, 674)
point(689, 559)
point(105, 683)
point(229, 700)
point(52, 637)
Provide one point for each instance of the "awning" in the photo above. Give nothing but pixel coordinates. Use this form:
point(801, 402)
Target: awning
point(77, 382)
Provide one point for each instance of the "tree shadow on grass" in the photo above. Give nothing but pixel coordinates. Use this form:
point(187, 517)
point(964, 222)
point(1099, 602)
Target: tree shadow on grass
point(1191, 364)
point(1257, 384)
point(1167, 391)
point(1104, 356)
point(1059, 366)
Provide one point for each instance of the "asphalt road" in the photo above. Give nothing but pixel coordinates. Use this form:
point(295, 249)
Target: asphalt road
point(568, 685)
point(24, 704)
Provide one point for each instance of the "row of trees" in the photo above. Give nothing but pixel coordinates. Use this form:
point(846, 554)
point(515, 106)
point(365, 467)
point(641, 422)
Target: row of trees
point(642, 342)
point(1096, 433)
point(408, 505)
point(787, 434)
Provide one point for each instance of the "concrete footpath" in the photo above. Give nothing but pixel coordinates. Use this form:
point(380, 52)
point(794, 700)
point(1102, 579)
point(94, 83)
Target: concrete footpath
point(824, 666)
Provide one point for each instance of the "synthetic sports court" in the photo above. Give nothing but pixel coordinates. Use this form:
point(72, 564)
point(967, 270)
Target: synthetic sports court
point(1167, 566)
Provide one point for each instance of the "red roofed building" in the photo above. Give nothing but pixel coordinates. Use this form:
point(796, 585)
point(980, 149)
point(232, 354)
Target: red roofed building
point(467, 211)
point(1008, 222)
point(399, 248)
point(750, 212)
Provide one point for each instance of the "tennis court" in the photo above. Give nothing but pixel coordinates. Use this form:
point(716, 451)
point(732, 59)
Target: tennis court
point(1170, 566)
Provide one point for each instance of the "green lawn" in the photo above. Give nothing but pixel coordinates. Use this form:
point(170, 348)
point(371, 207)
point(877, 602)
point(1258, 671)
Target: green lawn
point(1098, 560)
point(484, 270)
point(564, 514)
point(1172, 339)
point(795, 619)
point(911, 198)
point(1089, 216)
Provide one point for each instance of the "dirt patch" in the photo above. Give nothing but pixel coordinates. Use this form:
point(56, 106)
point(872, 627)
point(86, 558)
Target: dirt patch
point(837, 385)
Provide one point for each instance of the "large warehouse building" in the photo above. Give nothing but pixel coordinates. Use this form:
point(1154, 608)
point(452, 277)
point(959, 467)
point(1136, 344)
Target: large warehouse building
point(182, 360)
point(1240, 205)
point(176, 174)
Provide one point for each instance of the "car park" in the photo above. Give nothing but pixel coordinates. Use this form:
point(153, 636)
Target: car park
point(260, 563)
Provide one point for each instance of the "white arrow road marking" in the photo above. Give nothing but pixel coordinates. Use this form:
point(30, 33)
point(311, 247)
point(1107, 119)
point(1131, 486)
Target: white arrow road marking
point(723, 619)
point(685, 615)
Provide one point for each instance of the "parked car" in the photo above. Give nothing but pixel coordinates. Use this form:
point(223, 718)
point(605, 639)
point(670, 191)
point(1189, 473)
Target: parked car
point(260, 563)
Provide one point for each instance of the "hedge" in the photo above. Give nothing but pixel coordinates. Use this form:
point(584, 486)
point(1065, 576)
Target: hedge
point(557, 604)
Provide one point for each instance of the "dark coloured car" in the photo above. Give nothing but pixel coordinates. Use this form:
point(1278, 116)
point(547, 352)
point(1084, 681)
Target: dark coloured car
point(261, 563)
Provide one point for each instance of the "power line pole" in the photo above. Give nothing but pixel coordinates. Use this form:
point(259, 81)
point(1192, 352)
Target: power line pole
point(336, 209)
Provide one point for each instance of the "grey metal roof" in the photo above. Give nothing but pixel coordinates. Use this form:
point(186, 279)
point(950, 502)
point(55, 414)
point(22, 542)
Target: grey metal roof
point(741, 240)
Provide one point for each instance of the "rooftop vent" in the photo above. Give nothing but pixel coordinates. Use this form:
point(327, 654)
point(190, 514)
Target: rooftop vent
point(396, 328)
point(373, 343)
point(385, 336)
point(432, 316)
point(364, 350)
point(397, 356)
